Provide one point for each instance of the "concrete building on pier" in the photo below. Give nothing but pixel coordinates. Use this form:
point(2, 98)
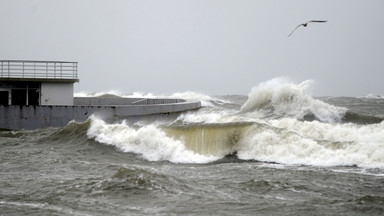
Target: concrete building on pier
point(37, 82)
point(40, 94)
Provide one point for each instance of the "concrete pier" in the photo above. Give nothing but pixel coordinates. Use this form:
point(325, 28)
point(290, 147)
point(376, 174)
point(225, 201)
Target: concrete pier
point(17, 117)
point(39, 94)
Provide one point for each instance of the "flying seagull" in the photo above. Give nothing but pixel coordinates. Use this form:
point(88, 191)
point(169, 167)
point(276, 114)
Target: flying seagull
point(305, 24)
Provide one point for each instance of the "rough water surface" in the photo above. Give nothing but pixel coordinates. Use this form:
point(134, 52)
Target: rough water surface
point(277, 151)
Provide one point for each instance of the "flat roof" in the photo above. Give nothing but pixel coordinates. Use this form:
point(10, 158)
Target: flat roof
point(39, 80)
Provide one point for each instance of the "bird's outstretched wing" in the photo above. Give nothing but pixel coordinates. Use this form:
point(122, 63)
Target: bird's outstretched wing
point(295, 29)
point(305, 24)
point(318, 21)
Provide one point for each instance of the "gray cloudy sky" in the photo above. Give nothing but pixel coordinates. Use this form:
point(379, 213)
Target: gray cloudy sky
point(214, 47)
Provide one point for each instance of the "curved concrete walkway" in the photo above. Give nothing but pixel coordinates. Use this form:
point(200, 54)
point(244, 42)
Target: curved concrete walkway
point(16, 117)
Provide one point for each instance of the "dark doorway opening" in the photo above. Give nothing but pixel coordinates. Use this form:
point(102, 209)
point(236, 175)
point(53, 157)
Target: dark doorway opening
point(19, 96)
point(33, 97)
point(3, 97)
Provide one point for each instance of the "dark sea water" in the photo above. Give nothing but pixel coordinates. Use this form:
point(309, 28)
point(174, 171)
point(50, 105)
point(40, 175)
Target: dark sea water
point(277, 151)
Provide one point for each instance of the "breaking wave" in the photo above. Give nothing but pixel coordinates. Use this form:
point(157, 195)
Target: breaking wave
point(289, 141)
point(149, 141)
point(372, 96)
point(271, 126)
point(286, 141)
point(110, 93)
point(279, 98)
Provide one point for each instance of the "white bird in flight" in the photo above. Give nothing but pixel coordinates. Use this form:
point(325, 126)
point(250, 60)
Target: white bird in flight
point(305, 24)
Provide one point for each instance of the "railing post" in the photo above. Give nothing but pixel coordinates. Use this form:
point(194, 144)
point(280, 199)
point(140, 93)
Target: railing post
point(46, 70)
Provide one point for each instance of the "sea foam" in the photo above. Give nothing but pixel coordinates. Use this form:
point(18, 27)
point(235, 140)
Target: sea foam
point(148, 141)
point(212, 132)
point(285, 141)
point(290, 141)
point(281, 98)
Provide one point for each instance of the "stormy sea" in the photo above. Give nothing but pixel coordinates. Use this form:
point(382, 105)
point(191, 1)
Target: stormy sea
point(276, 151)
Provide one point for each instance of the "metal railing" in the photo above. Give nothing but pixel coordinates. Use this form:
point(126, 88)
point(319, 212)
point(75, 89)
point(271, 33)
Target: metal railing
point(149, 101)
point(38, 69)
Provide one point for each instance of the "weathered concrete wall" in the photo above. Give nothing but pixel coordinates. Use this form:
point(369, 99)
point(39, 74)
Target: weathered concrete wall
point(33, 117)
point(56, 93)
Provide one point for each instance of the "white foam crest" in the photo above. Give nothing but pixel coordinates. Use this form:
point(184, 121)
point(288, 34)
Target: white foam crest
point(191, 95)
point(116, 93)
point(200, 117)
point(149, 141)
point(284, 98)
point(212, 116)
point(206, 100)
point(98, 94)
point(142, 95)
point(372, 96)
point(209, 117)
point(290, 141)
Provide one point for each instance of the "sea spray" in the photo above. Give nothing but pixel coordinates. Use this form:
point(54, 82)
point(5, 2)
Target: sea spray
point(279, 98)
point(113, 93)
point(286, 141)
point(290, 141)
point(271, 126)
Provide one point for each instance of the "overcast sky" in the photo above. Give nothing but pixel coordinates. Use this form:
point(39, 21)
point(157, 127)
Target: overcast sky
point(216, 47)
